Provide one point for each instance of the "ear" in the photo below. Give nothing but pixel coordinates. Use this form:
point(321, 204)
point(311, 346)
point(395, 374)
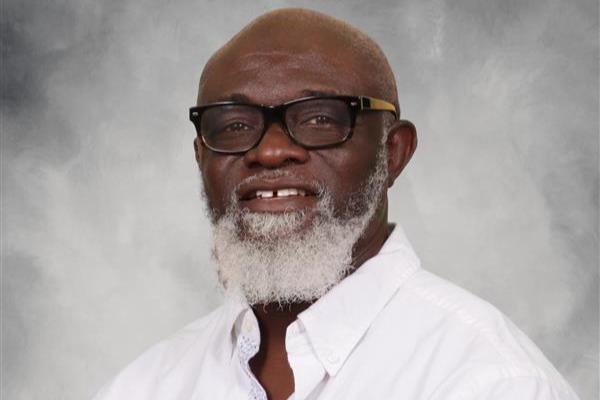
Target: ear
point(401, 144)
point(198, 148)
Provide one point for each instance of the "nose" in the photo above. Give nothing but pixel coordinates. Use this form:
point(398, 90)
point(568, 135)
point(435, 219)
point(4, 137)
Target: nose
point(275, 149)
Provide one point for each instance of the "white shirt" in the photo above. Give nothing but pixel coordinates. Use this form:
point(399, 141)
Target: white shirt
point(391, 330)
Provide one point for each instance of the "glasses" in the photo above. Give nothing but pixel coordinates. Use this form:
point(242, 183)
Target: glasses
point(311, 122)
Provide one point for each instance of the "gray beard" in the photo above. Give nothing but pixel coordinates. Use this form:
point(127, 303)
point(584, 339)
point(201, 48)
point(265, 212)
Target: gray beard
point(267, 258)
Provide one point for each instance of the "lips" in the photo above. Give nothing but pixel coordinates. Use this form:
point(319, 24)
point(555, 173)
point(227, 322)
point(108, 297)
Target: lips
point(270, 189)
point(267, 194)
point(278, 196)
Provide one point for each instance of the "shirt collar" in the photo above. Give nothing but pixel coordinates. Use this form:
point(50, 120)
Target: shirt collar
point(239, 318)
point(339, 319)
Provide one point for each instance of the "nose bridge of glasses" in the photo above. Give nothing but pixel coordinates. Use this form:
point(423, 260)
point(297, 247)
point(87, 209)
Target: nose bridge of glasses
point(276, 146)
point(275, 115)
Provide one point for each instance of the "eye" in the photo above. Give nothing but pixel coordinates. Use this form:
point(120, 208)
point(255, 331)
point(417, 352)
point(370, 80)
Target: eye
point(237, 126)
point(319, 121)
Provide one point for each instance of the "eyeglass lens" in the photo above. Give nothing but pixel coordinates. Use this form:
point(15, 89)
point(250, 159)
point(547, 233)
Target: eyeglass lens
point(312, 123)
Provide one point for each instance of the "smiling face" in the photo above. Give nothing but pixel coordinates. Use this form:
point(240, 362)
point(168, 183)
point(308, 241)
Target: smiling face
point(271, 63)
point(260, 73)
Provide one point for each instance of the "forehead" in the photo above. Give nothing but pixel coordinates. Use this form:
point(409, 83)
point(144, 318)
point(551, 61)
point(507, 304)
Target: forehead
point(280, 74)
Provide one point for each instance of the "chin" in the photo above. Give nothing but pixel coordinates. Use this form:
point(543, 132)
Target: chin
point(273, 226)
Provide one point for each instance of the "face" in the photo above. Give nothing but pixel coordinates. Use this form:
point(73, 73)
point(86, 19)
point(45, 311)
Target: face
point(290, 223)
point(276, 163)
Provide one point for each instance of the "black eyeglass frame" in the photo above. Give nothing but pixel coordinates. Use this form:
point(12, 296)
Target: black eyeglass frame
point(270, 114)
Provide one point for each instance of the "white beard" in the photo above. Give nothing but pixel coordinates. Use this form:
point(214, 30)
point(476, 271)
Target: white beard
point(274, 261)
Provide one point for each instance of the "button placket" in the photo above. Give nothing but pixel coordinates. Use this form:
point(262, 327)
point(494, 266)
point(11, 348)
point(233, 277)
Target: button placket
point(248, 344)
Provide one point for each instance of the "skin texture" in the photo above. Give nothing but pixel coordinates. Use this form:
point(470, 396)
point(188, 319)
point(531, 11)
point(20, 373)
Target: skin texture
point(284, 55)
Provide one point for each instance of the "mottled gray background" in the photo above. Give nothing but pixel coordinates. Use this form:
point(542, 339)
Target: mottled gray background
point(105, 248)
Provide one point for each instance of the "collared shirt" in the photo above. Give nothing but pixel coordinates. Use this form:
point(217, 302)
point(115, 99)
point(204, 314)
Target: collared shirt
point(391, 330)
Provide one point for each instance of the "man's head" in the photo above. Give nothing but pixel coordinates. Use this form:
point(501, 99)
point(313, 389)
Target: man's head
point(293, 217)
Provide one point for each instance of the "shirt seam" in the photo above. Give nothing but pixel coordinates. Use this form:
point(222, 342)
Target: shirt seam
point(468, 319)
point(505, 374)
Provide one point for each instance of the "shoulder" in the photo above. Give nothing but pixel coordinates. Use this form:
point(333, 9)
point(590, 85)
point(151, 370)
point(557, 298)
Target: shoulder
point(457, 310)
point(173, 356)
point(481, 352)
point(504, 382)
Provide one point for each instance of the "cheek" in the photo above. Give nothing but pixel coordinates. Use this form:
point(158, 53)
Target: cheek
point(218, 181)
point(349, 167)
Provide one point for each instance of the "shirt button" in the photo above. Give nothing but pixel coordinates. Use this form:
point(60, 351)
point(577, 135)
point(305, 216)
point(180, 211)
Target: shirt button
point(332, 358)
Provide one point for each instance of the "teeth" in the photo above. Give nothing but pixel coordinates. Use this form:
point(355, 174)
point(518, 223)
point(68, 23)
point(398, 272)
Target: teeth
point(287, 192)
point(265, 194)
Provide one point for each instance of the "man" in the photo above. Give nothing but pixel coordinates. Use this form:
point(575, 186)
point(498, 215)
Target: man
point(299, 138)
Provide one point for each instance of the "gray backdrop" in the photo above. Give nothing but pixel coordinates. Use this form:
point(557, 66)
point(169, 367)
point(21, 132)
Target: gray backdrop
point(105, 248)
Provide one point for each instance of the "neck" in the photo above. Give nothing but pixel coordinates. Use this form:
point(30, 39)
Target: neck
point(270, 365)
point(273, 319)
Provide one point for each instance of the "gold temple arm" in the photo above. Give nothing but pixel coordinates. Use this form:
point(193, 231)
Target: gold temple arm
point(371, 103)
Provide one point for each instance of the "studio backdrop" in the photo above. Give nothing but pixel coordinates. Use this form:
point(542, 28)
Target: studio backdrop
point(105, 245)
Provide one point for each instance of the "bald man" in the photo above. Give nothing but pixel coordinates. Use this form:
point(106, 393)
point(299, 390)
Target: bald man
point(299, 137)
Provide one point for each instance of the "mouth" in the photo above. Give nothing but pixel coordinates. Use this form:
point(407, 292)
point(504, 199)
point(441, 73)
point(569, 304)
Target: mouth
point(278, 197)
point(270, 193)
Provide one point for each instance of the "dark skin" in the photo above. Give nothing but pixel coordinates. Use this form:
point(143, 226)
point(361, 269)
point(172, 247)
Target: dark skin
point(272, 75)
